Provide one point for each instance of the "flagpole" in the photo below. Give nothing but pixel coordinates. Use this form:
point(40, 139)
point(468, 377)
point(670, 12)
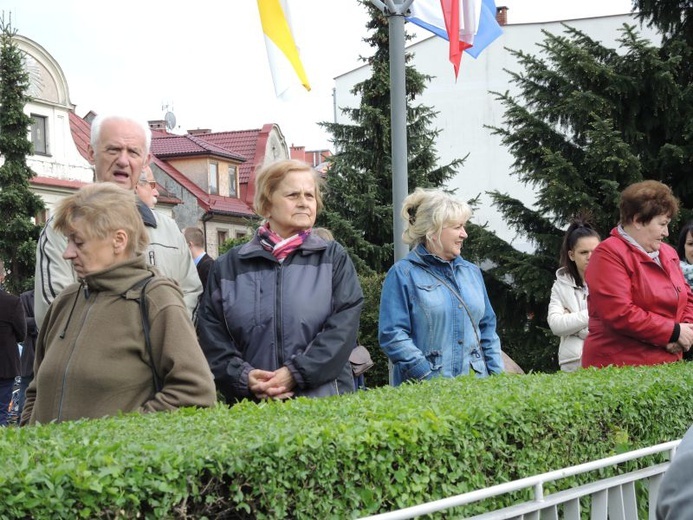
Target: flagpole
point(395, 11)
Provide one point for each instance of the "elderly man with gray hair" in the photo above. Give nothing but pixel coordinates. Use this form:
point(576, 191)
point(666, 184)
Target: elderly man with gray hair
point(119, 151)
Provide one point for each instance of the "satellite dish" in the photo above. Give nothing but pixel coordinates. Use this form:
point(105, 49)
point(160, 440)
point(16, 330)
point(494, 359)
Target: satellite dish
point(170, 119)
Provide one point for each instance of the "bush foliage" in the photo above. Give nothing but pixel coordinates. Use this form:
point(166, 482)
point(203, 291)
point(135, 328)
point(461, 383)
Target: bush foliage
point(340, 457)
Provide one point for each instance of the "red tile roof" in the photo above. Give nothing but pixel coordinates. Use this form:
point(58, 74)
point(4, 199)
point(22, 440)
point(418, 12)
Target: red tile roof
point(171, 146)
point(214, 203)
point(251, 144)
point(81, 132)
point(248, 143)
point(57, 183)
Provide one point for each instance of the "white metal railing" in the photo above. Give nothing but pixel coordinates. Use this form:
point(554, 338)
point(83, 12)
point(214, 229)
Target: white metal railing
point(613, 498)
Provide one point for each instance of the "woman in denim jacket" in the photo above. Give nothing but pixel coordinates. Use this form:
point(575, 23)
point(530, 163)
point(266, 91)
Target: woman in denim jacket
point(435, 316)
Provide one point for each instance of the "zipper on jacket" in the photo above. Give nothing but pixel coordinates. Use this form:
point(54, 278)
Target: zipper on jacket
point(87, 310)
point(279, 346)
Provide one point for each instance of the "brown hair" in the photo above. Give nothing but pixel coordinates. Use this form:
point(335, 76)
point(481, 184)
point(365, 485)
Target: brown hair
point(195, 236)
point(271, 175)
point(645, 200)
point(104, 207)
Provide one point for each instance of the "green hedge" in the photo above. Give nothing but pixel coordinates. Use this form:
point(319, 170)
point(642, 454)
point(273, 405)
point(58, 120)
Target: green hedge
point(339, 457)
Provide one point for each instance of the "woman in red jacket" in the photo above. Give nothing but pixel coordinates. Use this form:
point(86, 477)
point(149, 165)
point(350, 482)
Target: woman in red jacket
point(640, 306)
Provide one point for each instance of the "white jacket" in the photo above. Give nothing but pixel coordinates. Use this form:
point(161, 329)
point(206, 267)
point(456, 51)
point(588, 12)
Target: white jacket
point(568, 316)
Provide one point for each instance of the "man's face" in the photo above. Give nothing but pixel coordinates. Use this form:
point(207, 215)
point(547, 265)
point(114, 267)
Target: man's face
point(146, 188)
point(120, 154)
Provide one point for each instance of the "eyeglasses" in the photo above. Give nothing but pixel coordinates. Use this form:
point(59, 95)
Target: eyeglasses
point(152, 184)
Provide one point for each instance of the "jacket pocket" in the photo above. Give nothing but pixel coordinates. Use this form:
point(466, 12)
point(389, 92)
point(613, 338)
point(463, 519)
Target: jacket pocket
point(431, 295)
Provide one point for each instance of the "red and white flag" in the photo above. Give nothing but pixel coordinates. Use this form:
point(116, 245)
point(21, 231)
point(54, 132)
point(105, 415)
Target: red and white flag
point(469, 25)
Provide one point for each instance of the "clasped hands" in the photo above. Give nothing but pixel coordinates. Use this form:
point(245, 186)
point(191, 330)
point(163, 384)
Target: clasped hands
point(277, 384)
point(685, 340)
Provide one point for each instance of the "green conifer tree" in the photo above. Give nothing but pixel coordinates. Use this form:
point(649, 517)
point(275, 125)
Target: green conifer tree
point(587, 121)
point(18, 205)
point(358, 201)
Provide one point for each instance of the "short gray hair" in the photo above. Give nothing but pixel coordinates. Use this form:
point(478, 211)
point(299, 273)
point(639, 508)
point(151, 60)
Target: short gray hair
point(100, 119)
point(426, 212)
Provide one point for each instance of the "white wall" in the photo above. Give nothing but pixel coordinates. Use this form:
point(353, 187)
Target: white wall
point(465, 107)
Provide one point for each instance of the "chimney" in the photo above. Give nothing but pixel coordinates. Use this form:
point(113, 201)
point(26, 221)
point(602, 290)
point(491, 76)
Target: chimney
point(502, 15)
point(159, 124)
point(200, 131)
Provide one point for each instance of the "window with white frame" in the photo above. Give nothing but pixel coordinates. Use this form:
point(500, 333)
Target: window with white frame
point(213, 178)
point(39, 137)
point(233, 182)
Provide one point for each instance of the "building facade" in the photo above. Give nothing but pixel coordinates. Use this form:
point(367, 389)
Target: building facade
point(467, 107)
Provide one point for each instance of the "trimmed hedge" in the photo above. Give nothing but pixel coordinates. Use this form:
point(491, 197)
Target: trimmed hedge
point(339, 457)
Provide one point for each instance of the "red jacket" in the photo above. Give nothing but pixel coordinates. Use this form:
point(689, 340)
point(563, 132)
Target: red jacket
point(633, 304)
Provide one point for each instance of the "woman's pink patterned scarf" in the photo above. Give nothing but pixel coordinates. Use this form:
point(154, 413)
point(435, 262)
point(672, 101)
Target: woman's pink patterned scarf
point(278, 246)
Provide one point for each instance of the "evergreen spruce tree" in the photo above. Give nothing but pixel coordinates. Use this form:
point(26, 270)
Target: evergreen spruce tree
point(18, 234)
point(358, 201)
point(587, 121)
point(674, 18)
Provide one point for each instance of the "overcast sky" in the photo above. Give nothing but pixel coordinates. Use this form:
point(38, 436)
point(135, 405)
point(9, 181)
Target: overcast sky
point(206, 60)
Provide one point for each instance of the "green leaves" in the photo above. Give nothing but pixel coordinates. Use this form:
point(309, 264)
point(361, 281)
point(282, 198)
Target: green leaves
point(358, 201)
point(341, 457)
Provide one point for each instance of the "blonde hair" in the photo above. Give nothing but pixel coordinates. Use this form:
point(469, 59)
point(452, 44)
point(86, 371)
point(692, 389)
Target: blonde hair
point(271, 175)
point(323, 233)
point(104, 208)
point(426, 212)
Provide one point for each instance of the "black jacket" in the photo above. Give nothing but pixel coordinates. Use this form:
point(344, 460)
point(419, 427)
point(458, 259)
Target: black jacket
point(27, 360)
point(12, 331)
point(203, 267)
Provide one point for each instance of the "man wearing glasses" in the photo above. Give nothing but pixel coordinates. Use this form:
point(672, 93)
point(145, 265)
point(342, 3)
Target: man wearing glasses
point(146, 188)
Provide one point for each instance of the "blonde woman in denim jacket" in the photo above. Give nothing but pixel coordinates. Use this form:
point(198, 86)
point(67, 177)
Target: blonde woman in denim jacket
point(435, 316)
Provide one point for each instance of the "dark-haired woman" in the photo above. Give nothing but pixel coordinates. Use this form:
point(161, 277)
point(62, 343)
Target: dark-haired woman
point(685, 251)
point(567, 315)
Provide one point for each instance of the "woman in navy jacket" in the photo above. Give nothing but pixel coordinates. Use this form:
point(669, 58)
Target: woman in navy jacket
point(281, 313)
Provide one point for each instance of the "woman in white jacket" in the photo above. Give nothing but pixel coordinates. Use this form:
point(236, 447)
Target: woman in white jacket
point(568, 306)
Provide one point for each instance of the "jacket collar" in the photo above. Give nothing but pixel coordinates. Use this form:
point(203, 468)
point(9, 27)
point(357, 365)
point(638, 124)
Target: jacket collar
point(421, 256)
point(253, 248)
point(147, 214)
point(120, 277)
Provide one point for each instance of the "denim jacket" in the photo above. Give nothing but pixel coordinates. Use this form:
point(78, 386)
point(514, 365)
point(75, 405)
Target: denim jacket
point(425, 330)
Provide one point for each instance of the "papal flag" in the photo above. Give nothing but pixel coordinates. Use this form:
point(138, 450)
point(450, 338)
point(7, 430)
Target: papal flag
point(285, 62)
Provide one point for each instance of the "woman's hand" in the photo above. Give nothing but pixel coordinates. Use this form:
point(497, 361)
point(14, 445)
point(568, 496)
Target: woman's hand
point(271, 385)
point(673, 348)
point(685, 337)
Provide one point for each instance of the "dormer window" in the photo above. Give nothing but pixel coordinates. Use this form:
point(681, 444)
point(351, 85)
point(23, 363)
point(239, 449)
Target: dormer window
point(233, 176)
point(213, 179)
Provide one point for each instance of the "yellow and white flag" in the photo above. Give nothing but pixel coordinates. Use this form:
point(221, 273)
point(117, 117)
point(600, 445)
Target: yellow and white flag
point(282, 52)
